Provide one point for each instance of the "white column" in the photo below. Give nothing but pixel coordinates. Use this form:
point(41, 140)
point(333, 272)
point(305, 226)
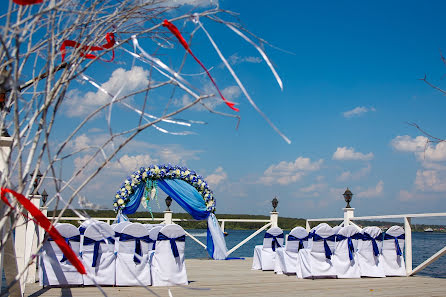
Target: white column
point(274, 218)
point(408, 245)
point(348, 214)
point(222, 226)
point(307, 226)
point(168, 217)
point(32, 231)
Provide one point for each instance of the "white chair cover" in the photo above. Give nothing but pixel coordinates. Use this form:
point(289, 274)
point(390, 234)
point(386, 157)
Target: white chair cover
point(264, 255)
point(345, 259)
point(132, 259)
point(392, 259)
point(336, 229)
point(286, 258)
point(316, 261)
point(98, 254)
point(167, 263)
point(153, 234)
point(54, 268)
point(369, 249)
point(117, 228)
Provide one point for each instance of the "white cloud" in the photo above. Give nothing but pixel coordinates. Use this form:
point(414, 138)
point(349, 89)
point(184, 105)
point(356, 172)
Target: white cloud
point(406, 196)
point(430, 181)
point(126, 81)
point(236, 59)
point(406, 143)
point(288, 172)
point(421, 147)
point(131, 163)
point(348, 153)
point(230, 93)
point(357, 111)
point(372, 192)
point(313, 188)
point(348, 175)
point(217, 177)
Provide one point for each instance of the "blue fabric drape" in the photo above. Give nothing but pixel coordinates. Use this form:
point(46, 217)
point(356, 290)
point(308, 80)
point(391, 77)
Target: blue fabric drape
point(135, 200)
point(301, 240)
point(127, 237)
point(97, 243)
point(367, 236)
point(173, 244)
point(186, 196)
point(327, 249)
point(76, 238)
point(397, 245)
point(275, 243)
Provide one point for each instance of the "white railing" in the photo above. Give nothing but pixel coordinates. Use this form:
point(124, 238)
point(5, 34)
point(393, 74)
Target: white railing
point(349, 216)
point(168, 219)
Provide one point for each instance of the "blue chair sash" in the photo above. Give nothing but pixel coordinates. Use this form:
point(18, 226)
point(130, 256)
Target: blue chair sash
point(367, 236)
point(89, 241)
point(327, 249)
point(117, 234)
point(301, 240)
point(127, 237)
point(275, 243)
point(76, 238)
point(351, 248)
point(397, 245)
point(82, 230)
point(173, 241)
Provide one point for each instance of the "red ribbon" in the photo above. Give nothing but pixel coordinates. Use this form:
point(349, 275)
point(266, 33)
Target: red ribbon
point(27, 2)
point(110, 37)
point(42, 220)
point(172, 28)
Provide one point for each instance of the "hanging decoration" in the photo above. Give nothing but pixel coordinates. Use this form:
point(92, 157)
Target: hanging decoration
point(110, 37)
point(174, 30)
point(27, 2)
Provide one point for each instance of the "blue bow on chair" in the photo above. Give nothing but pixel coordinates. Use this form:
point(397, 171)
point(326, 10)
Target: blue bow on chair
point(351, 248)
point(89, 241)
point(82, 230)
point(127, 237)
point(76, 238)
point(275, 243)
point(173, 244)
point(367, 236)
point(397, 245)
point(301, 240)
point(327, 249)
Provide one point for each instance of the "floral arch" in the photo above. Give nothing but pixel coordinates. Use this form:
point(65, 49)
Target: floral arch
point(185, 186)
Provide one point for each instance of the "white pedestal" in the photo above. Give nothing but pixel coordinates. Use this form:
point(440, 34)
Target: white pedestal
point(274, 217)
point(168, 217)
point(32, 231)
point(348, 214)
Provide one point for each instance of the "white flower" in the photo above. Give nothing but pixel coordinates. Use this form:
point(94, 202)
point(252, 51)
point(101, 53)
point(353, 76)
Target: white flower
point(120, 201)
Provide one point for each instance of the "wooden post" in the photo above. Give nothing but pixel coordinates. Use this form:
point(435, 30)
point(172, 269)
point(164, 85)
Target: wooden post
point(408, 245)
point(168, 217)
point(32, 231)
point(274, 218)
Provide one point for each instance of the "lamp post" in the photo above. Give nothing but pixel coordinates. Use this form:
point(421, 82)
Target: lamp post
point(168, 202)
point(44, 197)
point(36, 182)
point(274, 215)
point(348, 197)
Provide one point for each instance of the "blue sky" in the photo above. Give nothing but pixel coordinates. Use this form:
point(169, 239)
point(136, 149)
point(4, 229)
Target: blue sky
point(350, 71)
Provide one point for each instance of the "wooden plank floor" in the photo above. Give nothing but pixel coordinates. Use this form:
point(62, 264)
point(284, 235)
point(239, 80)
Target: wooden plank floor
point(235, 278)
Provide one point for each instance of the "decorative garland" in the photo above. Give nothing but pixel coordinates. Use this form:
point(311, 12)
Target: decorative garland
point(155, 172)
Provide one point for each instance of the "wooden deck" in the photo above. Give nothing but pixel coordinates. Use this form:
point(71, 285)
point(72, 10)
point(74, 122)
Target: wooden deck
point(235, 278)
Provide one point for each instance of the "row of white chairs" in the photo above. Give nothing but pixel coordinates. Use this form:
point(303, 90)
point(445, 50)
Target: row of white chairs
point(124, 254)
point(339, 252)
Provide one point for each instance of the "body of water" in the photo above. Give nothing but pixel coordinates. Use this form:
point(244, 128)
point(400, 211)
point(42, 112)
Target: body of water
point(424, 245)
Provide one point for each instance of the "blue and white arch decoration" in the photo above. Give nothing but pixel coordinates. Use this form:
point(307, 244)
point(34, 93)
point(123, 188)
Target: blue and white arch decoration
point(184, 186)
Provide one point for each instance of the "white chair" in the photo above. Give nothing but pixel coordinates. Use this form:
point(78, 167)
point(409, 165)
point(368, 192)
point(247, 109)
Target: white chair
point(336, 229)
point(286, 258)
point(316, 261)
point(369, 249)
point(392, 259)
point(153, 234)
point(132, 258)
point(345, 259)
point(97, 251)
point(117, 228)
point(167, 262)
point(54, 268)
point(264, 255)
